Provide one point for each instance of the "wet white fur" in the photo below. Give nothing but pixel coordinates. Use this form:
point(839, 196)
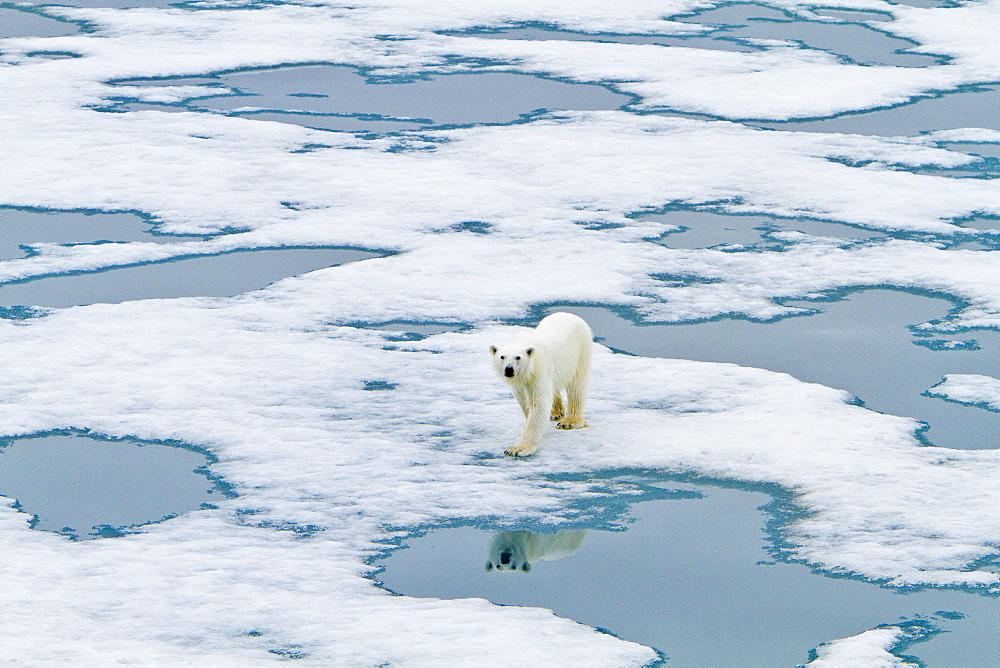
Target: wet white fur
point(552, 359)
point(523, 548)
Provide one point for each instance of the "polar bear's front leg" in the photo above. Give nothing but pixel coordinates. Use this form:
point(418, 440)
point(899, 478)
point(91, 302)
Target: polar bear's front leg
point(539, 405)
point(523, 398)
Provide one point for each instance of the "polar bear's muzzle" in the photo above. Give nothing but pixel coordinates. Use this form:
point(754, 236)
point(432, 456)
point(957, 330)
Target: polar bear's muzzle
point(508, 371)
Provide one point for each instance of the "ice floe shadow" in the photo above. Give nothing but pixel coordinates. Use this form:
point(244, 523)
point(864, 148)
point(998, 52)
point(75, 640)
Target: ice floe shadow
point(87, 486)
point(694, 575)
point(858, 340)
point(342, 98)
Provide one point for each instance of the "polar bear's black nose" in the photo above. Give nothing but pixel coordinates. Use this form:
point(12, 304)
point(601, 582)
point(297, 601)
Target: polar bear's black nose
point(508, 371)
point(505, 558)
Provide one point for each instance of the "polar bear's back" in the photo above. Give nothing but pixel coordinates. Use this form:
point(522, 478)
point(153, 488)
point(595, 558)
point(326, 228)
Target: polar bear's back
point(567, 341)
point(563, 328)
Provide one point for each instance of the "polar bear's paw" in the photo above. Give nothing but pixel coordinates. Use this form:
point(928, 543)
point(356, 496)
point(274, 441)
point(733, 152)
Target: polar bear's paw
point(567, 423)
point(521, 450)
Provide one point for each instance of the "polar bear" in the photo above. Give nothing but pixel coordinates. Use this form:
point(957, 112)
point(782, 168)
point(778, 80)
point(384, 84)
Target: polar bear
point(517, 550)
point(541, 364)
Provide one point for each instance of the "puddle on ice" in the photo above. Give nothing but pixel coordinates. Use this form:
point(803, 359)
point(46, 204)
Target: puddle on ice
point(222, 275)
point(338, 97)
point(967, 107)
point(734, 23)
point(706, 229)
point(20, 23)
point(859, 343)
point(686, 578)
point(21, 227)
point(75, 483)
point(857, 42)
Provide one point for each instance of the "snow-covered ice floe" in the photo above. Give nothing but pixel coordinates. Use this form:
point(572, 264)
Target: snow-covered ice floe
point(871, 648)
point(969, 389)
point(483, 222)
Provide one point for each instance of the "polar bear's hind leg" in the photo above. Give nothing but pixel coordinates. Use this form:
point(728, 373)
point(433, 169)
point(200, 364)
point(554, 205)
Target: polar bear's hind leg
point(574, 418)
point(558, 412)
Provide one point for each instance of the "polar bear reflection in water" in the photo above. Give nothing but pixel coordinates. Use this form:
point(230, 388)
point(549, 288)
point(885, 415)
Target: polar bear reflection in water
point(517, 550)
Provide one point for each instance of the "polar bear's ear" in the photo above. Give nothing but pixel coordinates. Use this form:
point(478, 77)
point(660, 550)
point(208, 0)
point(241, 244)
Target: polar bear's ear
point(489, 566)
point(493, 350)
point(529, 351)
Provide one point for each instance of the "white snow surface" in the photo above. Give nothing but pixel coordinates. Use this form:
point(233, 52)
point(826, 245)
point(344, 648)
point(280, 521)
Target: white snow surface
point(272, 382)
point(967, 388)
point(869, 649)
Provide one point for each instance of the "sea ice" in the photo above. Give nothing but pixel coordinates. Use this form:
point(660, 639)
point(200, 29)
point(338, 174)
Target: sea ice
point(486, 223)
point(969, 389)
point(871, 648)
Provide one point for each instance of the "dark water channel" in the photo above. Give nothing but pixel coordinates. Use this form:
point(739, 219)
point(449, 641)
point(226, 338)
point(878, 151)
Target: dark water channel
point(77, 484)
point(692, 578)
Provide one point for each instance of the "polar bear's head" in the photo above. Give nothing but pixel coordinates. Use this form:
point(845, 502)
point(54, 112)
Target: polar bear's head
point(509, 552)
point(512, 361)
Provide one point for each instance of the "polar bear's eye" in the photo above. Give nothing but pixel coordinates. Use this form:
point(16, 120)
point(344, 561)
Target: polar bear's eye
point(503, 357)
point(517, 358)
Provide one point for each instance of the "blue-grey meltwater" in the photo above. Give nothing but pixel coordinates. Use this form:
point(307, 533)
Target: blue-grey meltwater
point(859, 342)
point(84, 486)
point(692, 577)
point(88, 487)
point(339, 98)
point(219, 275)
